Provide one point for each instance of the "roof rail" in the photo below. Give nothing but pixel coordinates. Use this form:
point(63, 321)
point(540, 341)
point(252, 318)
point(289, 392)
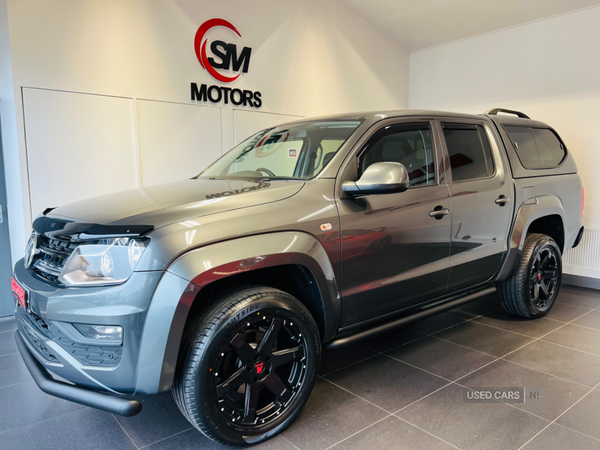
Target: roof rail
point(495, 112)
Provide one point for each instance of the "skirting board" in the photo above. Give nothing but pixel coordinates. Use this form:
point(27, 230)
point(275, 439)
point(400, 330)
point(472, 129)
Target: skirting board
point(578, 280)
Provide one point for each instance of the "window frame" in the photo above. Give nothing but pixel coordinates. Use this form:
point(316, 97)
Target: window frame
point(563, 146)
point(374, 138)
point(491, 143)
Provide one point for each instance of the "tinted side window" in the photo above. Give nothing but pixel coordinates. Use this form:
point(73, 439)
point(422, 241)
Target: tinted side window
point(410, 145)
point(469, 151)
point(537, 148)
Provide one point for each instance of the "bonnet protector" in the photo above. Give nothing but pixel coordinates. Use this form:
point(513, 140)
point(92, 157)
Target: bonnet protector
point(56, 228)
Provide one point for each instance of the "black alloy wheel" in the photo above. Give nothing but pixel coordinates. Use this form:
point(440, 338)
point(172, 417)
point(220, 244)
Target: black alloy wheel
point(260, 371)
point(247, 365)
point(543, 279)
point(531, 290)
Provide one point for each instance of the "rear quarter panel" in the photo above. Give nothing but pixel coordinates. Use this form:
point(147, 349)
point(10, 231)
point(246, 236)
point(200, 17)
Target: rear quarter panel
point(538, 196)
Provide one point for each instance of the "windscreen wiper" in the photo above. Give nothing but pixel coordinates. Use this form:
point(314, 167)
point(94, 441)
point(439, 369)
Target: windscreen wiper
point(281, 179)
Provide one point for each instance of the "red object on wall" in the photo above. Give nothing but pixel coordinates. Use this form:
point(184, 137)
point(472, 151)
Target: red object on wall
point(200, 47)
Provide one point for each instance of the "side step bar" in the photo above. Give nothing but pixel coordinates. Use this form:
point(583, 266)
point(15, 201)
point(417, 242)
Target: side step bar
point(49, 385)
point(421, 314)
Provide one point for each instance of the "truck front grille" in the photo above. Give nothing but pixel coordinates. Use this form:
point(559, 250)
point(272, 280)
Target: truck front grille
point(51, 258)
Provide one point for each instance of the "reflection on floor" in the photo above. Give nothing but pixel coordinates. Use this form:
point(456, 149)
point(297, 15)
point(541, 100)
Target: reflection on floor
point(402, 390)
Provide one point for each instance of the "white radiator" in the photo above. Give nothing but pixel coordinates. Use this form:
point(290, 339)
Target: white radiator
point(584, 260)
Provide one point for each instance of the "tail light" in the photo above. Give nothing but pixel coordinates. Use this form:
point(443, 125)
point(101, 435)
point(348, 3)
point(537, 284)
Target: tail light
point(582, 200)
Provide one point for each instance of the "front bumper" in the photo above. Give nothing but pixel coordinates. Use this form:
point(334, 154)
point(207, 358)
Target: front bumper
point(49, 385)
point(48, 334)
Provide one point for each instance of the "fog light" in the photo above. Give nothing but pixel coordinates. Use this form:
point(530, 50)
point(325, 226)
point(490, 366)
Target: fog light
point(108, 333)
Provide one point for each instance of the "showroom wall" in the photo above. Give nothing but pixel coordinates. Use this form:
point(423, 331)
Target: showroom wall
point(548, 69)
point(96, 97)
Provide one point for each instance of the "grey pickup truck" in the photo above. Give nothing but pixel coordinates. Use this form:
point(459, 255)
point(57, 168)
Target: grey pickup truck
point(225, 288)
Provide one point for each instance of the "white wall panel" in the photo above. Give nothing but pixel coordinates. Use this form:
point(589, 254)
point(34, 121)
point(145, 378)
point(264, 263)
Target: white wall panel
point(249, 122)
point(15, 175)
point(78, 146)
point(584, 260)
point(176, 141)
point(227, 130)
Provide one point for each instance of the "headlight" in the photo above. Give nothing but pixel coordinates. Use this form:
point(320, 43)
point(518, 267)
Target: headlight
point(31, 250)
point(108, 261)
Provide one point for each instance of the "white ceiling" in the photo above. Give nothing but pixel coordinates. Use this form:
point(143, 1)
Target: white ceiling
point(418, 24)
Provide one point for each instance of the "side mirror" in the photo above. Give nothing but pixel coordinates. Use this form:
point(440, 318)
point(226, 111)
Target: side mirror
point(379, 178)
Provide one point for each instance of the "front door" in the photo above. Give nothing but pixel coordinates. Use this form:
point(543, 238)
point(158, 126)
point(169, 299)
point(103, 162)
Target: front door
point(394, 253)
point(482, 200)
point(7, 302)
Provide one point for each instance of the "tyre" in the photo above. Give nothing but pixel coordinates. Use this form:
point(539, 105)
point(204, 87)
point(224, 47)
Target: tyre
point(533, 287)
point(248, 365)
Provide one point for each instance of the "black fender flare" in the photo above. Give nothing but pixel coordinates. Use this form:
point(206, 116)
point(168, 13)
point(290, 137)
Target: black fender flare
point(529, 211)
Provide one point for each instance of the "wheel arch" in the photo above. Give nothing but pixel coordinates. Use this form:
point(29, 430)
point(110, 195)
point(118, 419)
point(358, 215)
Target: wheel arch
point(551, 225)
point(295, 279)
point(544, 214)
point(197, 276)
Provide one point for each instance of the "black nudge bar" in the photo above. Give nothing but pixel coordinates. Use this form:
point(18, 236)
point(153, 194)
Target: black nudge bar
point(49, 385)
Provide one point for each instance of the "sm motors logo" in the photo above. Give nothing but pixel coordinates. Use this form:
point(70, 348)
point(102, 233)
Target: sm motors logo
point(225, 55)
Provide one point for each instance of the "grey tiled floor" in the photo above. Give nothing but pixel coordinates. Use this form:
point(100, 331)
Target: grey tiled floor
point(403, 390)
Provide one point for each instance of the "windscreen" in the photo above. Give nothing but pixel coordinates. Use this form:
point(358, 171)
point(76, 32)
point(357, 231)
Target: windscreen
point(285, 152)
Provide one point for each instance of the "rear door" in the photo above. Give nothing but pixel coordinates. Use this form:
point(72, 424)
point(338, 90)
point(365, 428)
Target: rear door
point(394, 254)
point(482, 200)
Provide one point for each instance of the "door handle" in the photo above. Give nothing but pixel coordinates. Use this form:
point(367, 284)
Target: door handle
point(439, 212)
point(502, 200)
